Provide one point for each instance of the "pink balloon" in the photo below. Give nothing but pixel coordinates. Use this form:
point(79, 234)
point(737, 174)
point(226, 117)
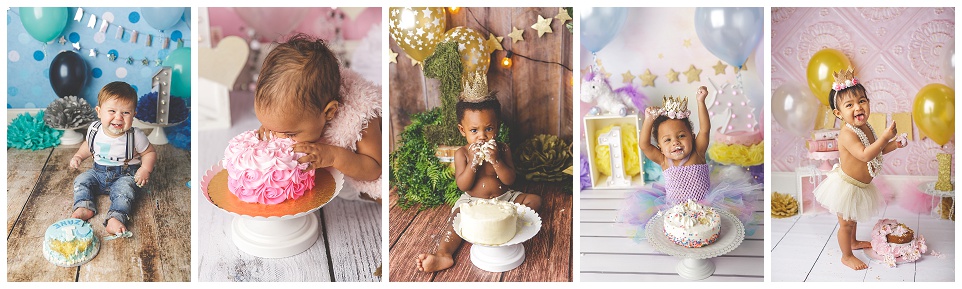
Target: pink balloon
point(272, 23)
point(358, 27)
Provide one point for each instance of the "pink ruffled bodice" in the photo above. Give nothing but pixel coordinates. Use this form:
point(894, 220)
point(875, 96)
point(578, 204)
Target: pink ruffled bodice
point(360, 103)
point(265, 172)
point(686, 182)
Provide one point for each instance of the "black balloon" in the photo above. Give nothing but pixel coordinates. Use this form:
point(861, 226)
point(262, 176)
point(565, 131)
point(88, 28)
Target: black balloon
point(68, 73)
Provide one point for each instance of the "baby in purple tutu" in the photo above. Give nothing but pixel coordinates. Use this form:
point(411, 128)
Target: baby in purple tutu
point(687, 175)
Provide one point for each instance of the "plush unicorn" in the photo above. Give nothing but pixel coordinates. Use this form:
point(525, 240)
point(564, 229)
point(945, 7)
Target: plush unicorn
point(622, 101)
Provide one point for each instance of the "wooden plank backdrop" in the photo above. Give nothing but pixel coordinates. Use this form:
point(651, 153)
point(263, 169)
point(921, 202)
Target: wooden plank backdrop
point(40, 193)
point(536, 98)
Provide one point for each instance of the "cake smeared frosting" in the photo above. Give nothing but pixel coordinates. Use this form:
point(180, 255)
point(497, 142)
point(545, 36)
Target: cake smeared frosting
point(265, 171)
point(890, 252)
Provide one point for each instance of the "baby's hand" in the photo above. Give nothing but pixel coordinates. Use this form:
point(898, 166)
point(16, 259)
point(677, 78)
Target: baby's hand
point(317, 155)
point(702, 93)
point(890, 132)
point(264, 134)
point(142, 176)
point(490, 151)
point(75, 162)
point(474, 152)
point(652, 112)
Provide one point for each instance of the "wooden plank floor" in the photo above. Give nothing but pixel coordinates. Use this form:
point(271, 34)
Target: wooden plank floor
point(608, 253)
point(805, 248)
point(547, 255)
point(39, 193)
point(349, 248)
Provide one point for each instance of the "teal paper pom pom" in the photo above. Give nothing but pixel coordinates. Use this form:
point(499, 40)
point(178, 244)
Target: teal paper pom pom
point(31, 133)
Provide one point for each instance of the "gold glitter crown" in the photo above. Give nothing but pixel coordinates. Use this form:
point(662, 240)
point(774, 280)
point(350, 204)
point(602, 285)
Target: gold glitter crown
point(844, 79)
point(475, 88)
point(675, 107)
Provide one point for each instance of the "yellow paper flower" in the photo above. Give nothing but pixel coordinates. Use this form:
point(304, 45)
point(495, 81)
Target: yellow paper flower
point(629, 151)
point(736, 154)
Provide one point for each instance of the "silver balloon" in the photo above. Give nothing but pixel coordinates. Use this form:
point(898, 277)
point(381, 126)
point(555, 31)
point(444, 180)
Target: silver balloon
point(948, 71)
point(730, 33)
point(795, 109)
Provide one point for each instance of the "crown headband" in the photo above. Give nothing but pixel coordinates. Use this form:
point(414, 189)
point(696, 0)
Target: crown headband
point(675, 107)
point(844, 79)
point(475, 88)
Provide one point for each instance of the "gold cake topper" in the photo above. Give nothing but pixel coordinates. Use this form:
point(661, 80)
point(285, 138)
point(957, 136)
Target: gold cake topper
point(475, 88)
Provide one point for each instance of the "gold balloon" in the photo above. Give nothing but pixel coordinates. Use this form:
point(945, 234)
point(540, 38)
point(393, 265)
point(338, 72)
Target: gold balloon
point(472, 47)
point(934, 112)
point(820, 69)
point(417, 30)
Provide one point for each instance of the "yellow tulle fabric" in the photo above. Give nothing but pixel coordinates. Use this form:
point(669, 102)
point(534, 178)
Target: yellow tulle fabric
point(629, 149)
point(736, 154)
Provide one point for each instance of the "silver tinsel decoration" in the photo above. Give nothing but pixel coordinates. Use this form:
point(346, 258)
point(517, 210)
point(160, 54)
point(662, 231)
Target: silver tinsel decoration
point(68, 113)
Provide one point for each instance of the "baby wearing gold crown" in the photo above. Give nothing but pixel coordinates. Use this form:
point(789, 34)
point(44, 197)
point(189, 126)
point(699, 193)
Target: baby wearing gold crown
point(483, 168)
point(681, 154)
point(848, 191)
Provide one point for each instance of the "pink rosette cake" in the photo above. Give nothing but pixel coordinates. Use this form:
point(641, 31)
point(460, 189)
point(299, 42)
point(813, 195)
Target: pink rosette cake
point(265, 172)
point(894, 241)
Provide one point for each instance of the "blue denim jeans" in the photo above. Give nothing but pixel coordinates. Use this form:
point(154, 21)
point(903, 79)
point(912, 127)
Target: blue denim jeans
point(116, 181)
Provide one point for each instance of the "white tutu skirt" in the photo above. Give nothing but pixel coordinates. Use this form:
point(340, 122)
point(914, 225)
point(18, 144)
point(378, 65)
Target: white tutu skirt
point(848, 197)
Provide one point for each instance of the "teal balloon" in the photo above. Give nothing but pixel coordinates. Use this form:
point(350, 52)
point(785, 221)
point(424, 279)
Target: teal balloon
point(730, 33)
point(179, 61)
point(44, 23)
point(599, 25)
point(162, 18)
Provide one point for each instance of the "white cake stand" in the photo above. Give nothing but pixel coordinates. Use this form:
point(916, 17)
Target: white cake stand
point(71, 136)
point(695, 263)
point(157, 136)
point(928, 188)
point(274, 237)
point(507, 256)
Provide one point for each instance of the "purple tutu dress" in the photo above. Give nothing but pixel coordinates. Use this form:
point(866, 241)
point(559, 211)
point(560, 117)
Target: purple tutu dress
point(730, 189)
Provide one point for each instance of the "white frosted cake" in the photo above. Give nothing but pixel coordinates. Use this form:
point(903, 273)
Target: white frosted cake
point(692, 225)
point(488, 222)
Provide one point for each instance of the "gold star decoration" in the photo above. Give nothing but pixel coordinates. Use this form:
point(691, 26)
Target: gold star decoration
point(516, 34)
point(111, 56)
point(493, 43)
point(661, 56)
point(415, 62)
point(744, 67)
point(598, 62)
point(393, 55)
point(627, 77)
point(543, 26)
point(145, 61)
point(719, 68)
point(672, 76)
point(562, 15)
point(687, 43)
point(693, 74)
point(647, 79)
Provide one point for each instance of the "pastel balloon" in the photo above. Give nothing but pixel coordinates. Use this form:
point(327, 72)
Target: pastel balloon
point(179, 61)
point(417, 30)
point(820, 69)
point(730, 33)
point(475, 56)
point(599, 25)
point(162, 18)
point(272, 23)
point(43, 23)
point(948, 70)
point(934, 112)
point(795, 109)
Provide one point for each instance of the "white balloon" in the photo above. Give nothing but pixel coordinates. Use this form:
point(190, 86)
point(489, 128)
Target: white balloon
point(948, 71)
point(795, 108)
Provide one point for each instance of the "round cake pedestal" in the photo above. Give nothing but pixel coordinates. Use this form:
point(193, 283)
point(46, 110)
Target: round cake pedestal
point(71, 136)
point(696, 263)
point(275, 238)
point(497, 259)
point(509, 255)
point(826, 159)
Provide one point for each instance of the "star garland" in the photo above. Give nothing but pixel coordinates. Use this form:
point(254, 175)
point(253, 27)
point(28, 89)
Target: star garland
point(135, 36)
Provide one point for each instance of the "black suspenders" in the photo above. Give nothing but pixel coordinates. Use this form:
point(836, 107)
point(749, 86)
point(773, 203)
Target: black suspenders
point(130, 149)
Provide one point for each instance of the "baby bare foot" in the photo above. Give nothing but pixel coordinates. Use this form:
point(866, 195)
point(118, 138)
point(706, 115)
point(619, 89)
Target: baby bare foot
point(114, 226)
point(861, 245)
point(434, 262)
point(82, 213)
point(854, 263)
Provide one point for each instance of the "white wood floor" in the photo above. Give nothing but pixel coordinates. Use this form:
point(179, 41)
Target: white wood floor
point(805, 248)
point(609, 254)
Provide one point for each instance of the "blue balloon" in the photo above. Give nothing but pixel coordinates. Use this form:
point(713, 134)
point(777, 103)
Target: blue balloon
point(162, 18)
point(730, 33)
point(599, 25)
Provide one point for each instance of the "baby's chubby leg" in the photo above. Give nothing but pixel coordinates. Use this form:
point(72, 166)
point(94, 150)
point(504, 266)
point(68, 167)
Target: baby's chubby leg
point(530, 200)
point(442, 259)
point(122, 193)
point(845, 242)
point(84, 187)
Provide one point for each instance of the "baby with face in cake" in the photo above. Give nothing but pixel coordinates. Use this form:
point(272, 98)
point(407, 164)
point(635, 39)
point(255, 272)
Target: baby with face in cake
point(483, 168)
point(332, 114)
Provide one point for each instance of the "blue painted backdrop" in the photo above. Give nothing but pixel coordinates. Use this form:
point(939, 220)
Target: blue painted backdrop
point(28, 60)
